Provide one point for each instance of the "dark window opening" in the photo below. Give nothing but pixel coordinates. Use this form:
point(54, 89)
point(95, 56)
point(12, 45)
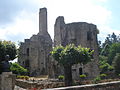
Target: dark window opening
point(80, 71)
point(89, 35)
point(27, 51)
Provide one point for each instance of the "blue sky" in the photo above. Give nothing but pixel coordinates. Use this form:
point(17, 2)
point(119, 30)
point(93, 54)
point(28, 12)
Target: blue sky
point(114, 7)
point(19, 18)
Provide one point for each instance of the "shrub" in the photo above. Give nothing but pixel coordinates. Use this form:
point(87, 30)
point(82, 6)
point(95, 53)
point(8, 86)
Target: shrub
point(26, 77)
point(83, 76)
point(103, 76)
point(23, 77)
point(97, 79)
point(61, 77)
point(110, 68)
point(17, 69)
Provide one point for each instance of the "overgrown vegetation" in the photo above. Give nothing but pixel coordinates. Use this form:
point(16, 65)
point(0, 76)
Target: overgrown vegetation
point(109, 54)
point(70, 55)
point(17, 69)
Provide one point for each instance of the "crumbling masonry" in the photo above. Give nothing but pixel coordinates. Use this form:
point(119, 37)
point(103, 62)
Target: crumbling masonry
point(35, 52)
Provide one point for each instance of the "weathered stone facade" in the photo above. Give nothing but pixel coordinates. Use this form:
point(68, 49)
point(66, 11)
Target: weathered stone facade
point(78, 33)
point(34, 52)
point(7, 81)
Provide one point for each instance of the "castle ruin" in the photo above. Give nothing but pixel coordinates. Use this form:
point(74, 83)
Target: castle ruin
point(78, 33)
point(35, 52)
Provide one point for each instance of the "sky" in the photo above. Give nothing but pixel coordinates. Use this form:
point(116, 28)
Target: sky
point(19, 18)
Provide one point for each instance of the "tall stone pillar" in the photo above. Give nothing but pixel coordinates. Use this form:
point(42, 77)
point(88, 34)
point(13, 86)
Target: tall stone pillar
point(43, 21)
point(7, 81)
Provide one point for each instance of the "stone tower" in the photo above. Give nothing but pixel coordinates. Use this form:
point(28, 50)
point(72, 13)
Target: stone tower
point(43, 21)
point(34, 52)
point(78, 33)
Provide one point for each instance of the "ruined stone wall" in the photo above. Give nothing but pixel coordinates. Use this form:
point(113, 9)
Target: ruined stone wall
point(78, 33)
point(24, 53)
point(115, 85)
point(34, 52)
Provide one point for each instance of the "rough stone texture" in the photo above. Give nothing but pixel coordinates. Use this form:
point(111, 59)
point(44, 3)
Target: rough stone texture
point(34, 52)
point(115, 85)
point(78, 33)
point(7, 81)
point(38, 84)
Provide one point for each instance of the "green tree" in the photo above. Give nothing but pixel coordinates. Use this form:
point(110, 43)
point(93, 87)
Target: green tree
point(110, 39)
point(7, 48)
point(114, 49)
point(17, 69)
point(116, 63)
point(69, 55)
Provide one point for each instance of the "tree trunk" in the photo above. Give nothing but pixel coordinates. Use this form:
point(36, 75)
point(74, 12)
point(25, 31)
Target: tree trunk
point(68, 75)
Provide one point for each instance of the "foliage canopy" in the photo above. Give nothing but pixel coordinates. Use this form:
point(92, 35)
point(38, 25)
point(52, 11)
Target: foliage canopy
point(7, 48)
point(71, 54)
point(17, 69)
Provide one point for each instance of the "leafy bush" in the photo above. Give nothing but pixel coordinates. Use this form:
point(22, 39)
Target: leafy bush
point(17, 69)
point(110, 68)
point(83, 76)
point(23, 77)
point(103, 65)
point(97, 79)
point(61, 77)
point(103, 76)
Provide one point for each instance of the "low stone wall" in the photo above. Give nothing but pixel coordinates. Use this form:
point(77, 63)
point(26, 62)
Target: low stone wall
point(101, 86)
point(115, 85)
point(38, 85)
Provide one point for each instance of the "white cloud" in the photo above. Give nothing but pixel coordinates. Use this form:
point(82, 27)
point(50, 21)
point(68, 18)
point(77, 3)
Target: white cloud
point(23, 27)
point(26, 23)
point(77, 11)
